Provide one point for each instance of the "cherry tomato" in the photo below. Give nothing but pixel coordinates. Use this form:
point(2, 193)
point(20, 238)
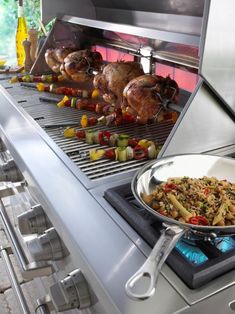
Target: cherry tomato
point(110, 153)
point(81, 103)
point(37, 79)
point(133, 142)
point(99, 107)
point(54, 78)
point(73, 92)
point(92, 121)
point(128, 117)
point(118, 120)
point(104, 137)
point(91, 107)
point(46, 88)
point(80, 134)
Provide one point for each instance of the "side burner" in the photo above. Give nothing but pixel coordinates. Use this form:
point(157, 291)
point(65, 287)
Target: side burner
point(195, 262)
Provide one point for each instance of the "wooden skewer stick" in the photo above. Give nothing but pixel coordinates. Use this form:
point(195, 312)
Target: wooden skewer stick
point(42, 27)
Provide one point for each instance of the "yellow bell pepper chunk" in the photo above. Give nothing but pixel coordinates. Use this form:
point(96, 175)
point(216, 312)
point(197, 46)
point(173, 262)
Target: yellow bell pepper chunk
point(95, 93)
point(14, 79)
point(69, 132)
point(62, 102)
point(84, 121)
point(144, 143)
point(96, 154)
point(61, 78)
point(40, 87)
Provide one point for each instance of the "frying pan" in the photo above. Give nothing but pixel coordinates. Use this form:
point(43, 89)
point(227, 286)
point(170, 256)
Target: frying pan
point(145, 181)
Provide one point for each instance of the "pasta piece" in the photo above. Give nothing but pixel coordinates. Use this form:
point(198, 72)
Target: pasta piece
point(183, 211)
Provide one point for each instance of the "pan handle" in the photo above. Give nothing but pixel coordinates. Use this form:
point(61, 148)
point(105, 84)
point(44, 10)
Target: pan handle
point(154, 262)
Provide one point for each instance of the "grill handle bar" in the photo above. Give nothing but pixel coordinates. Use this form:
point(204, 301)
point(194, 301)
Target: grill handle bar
point(30, 270)
point(14, 282)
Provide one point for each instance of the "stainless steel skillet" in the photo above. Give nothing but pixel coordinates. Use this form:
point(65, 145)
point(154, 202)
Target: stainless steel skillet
point(145, 180)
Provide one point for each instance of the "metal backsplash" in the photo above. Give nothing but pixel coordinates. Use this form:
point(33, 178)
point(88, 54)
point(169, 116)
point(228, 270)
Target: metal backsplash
point(179, 46)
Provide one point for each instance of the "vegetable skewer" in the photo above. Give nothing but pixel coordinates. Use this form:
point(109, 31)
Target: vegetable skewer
point(123, 146)
point(48, 78)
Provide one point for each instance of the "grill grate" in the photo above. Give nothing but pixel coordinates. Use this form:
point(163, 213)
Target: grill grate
point(78, 152)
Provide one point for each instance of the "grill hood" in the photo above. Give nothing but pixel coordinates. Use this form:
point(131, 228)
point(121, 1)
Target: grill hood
point(166, 15)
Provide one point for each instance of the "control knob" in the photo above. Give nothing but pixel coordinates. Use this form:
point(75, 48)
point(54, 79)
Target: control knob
point(71, 292)
point(10, 172)
point(47, 246)
point(2, 146)
point(34, 220)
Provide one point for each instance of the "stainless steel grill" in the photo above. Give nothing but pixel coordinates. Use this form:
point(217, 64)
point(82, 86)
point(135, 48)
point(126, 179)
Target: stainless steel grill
point(50, 114)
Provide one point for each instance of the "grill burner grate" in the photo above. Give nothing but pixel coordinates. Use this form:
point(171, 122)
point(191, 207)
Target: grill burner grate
point(195, 262)
point(78, 151)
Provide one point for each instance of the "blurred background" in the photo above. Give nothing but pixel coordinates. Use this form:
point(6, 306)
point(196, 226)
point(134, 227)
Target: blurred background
point(8, 24)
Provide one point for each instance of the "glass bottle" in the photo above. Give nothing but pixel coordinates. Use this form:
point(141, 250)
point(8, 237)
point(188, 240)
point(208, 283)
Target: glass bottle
point(21, 34)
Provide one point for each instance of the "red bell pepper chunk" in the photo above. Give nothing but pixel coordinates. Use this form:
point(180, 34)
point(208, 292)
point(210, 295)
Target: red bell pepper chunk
point(67, 103)
point(140, 152)
point(206, 191)
point(128, 117)
point(92, 121)
point(198, 220)
point(169, 187)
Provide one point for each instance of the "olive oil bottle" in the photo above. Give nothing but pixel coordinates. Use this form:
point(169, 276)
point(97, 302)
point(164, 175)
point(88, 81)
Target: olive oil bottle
point(21, 34)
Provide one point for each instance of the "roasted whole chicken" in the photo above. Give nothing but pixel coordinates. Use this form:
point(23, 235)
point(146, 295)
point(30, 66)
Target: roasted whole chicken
point(55, 57)
point(72, 64)
point(113, 79)
point(144, 95)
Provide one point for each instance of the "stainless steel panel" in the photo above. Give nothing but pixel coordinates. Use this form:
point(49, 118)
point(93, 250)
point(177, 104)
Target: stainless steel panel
point(50, 9)
point(158, 20)
point(192, 8)
point(203, 125)
point(218, 58)
point(153, 32)
point(86, 229)
point(171, 38)
point(218, 304)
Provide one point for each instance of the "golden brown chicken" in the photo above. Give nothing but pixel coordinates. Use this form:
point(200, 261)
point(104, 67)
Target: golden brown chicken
point(55, 57)
point(73, 64)
point(144, 95)
point(113, 79)
point(77, 64)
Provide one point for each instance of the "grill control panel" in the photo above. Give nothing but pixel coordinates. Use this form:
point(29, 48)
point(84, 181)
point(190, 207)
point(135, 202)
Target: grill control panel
point(47, 247)
point(71, 292)
point(34, 221)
